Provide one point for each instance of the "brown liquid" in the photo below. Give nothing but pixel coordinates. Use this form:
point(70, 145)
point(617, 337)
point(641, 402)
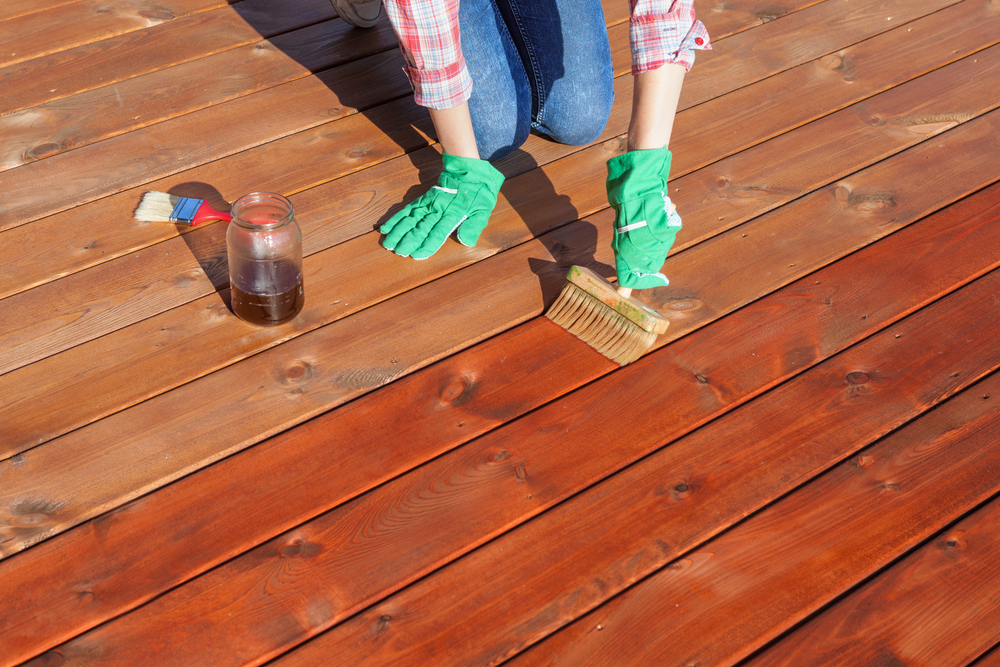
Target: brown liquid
point(268, 309)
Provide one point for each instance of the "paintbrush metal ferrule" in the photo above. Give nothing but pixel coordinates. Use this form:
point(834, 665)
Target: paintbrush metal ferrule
point(185, 209)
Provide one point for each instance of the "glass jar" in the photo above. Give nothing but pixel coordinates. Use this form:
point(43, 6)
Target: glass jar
point(264, 246)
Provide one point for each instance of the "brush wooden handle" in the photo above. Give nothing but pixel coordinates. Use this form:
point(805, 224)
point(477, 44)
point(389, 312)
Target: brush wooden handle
point(621, 300)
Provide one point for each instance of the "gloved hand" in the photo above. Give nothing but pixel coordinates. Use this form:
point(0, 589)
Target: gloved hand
point(645, 219)
point(463, 199)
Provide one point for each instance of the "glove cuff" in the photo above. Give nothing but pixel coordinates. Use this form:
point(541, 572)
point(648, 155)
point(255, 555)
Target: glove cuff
point(471, 170)
point(638, 173)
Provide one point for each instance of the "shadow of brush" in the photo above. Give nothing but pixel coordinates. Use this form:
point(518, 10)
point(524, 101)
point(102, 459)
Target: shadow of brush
point(207, 241)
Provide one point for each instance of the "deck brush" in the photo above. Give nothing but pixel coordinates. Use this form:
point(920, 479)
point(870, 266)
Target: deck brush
point(164, 207)
point(611, 321)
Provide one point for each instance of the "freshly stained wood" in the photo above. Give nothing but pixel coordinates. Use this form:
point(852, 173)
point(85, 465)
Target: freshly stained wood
point(436, 475)
point(565, 561)
point(455, 402)
point(991, 659)
point(725, 599)
point(936, 606)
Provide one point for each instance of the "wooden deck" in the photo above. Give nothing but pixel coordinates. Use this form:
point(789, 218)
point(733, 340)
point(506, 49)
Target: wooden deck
point(421, 470)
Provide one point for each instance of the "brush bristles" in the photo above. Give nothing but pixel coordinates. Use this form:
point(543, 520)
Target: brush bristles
point(614, 336)
point(156, 207)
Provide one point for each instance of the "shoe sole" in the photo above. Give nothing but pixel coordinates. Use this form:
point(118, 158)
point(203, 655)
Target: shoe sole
point(347, 11)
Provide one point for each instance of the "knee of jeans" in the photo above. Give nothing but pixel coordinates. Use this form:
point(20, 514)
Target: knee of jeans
point(501, 138)
point(581, 121)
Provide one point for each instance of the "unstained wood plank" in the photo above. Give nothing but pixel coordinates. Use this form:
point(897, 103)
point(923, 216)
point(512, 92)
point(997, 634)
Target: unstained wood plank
point(170, 147)
point(60, 75)
point(68, 25)
point(87, 118)
point(775, 48)
point(14, 8)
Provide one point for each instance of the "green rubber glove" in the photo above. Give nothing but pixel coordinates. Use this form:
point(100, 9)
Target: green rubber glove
point(645, 219)
point(463, 199)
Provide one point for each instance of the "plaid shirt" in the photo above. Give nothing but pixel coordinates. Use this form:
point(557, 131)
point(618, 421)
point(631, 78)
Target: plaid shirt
point(660, 32)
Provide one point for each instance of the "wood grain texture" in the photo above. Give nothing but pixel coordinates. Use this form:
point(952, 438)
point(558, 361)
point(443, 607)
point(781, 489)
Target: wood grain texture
point(20, 185)
point(991, 659)
point(49, 248)
point(444, 406)
point(720, 197)
point(797, 38)
point(67, 25)
point(527, 583)
point(339, 208)
point(847, 215)
point(89, 117)
point(731, 594)
point(935, 607)
point(59, 245)
point(109, 61)
point(171, 147)
point(14, 8)
point(41, 252)
point(435, 474)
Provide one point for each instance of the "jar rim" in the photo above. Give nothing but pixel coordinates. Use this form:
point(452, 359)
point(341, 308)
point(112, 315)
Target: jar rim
point(262, 197)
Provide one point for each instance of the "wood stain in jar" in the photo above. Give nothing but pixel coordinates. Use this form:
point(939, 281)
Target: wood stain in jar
point(264, 247)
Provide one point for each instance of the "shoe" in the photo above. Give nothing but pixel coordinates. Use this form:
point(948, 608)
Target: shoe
point(360, 13)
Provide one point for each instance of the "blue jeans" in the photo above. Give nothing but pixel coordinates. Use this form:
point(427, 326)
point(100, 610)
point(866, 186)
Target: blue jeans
point(543, 64)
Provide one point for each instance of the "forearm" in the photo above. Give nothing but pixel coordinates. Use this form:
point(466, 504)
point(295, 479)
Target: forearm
point(454, 130)
point(655, 95)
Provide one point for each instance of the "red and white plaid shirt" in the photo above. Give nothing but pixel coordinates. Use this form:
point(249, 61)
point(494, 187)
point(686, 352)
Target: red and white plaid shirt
point(660, 32)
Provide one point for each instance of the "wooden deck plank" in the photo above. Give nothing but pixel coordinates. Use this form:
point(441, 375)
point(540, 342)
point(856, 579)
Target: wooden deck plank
point(15, 8)
point(163, 149)
point(569, 559)
point(64, 26)
point(718, 603)
point(184, 39)
point(991, 659)
point(327, 534)
point(801, 249)
point(178, 560)
point(935, 607)
point(468, 395)
point(742, 175)
point(65, 182)
point(84, 68)
point(40, 252)
point(90, 117)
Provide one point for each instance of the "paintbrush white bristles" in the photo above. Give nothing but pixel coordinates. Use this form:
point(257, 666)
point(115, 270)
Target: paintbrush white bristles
point(598, 325)
point(156, 207)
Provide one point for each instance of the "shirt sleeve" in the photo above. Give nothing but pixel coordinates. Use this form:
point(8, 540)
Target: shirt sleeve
point(429, 38)
point(664, 31)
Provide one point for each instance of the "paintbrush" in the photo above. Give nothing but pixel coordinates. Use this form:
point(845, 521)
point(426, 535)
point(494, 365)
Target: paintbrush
point(165, 207)
point(613, 322)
